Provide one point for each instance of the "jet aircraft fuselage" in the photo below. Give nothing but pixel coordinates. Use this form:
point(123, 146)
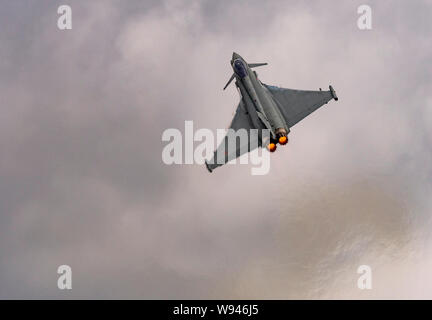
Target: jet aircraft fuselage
point(264, 107)
point(258, 100)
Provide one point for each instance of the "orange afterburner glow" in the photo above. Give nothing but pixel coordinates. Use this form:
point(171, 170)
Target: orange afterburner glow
point(271, 147)
point(283, 140)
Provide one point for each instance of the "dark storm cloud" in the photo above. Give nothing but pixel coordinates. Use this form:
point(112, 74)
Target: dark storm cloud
point(82, 181)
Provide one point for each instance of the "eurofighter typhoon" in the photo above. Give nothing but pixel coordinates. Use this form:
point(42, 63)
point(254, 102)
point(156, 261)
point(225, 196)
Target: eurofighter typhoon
point(266, 108)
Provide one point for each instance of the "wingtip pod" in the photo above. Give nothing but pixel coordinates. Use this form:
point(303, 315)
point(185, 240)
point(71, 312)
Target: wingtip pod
point(208, 167)
point(333, 93)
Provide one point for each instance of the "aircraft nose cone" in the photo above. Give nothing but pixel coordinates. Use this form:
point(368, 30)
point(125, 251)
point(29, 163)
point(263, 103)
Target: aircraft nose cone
point(235, 55)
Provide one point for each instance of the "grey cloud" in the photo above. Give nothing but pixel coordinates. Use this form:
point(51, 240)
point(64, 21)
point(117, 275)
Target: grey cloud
point(82, 181)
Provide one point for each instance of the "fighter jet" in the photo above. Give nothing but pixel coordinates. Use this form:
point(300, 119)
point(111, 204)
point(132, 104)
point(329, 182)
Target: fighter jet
point(268, 107)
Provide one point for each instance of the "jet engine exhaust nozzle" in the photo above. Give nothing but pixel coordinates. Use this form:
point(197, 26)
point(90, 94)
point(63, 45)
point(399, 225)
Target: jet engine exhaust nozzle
point(271, 147)
point(283, 140)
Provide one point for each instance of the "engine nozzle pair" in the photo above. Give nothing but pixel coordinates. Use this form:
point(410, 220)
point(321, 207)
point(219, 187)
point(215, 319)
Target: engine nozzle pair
point(282, 140)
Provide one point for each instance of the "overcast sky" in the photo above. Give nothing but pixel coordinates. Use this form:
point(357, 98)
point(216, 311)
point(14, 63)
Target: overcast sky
point(82, 181)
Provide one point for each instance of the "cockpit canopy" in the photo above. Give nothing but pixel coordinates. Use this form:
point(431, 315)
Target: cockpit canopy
point(240, 68)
